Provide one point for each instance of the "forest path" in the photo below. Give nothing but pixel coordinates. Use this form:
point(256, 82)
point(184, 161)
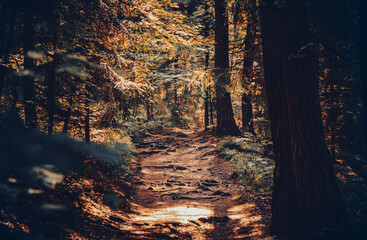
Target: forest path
point(184, 191)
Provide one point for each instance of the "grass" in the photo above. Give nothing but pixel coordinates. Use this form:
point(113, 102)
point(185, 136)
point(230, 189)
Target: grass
point(136, 128)
point(251, 162)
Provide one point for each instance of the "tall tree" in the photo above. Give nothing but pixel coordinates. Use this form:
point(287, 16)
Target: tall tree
point(29, 66)
point(207, 90)
point(248, 62)
point(52, 74)
point(8, 42)
point(226, 124)
point(306, 196)
point(363, 57)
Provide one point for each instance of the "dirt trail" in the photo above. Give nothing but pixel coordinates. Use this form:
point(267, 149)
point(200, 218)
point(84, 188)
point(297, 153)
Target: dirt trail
point(183, 191)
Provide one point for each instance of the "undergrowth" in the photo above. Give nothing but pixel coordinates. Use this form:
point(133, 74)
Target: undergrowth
point(136, 129)
point(252, 162)
point(51, 186)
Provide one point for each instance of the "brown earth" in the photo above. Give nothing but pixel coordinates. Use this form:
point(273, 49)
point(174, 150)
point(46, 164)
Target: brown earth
point(184, 191)
point(181, 189)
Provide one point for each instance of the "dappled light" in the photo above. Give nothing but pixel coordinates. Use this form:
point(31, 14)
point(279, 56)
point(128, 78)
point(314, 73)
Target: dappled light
point(183, 120)
point(182, 214)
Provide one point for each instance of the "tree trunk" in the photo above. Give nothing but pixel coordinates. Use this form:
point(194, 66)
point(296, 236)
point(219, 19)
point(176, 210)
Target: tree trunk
point(306, 196)
point(7, 47)
point(175, 110)
point(247, 116)
point(211, 110)
point(52, 77)
point(29, 67)
point(248, 60)
point(207, 93)
point(152, 110)
point(13, 86)
point(149, 107)
point(363, 60)
point(65, 128)
point(148, 110)
point(226, 124)
point(206, 106)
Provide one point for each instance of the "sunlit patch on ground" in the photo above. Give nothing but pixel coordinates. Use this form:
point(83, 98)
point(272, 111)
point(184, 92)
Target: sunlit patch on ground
point(174, 221)
point(182, 214)
point(248, 223)
point(101, 206)
point(184, 193)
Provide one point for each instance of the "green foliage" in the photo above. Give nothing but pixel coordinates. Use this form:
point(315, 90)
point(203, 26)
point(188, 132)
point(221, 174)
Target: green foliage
point(111, 53)
point(137, 128)
point(251, 162)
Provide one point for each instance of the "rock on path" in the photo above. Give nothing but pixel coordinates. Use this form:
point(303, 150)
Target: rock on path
point(183, 191)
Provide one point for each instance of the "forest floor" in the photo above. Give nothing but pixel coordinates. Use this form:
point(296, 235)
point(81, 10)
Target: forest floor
point(184, 191)
point(180, 186)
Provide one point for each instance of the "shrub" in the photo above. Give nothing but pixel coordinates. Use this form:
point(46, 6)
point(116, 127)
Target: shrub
point(250, 162)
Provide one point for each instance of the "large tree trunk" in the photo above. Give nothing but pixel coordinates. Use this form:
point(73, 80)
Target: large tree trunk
point(306, 196)
point(226, 124)
point(29, 67)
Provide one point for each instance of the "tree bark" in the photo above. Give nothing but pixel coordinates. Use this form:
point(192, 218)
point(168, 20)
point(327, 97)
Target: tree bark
point(306, 196)
point(149, 107)
point(247, 116)
point(175, 108)
point(148, 111)
point(29, 67)
point(363, 61)
point(65, 128)
point(248, 61)
point(7, 47)
point(52, 77)
point(226, 124)
point(211, 110)
point(206, 107)
point(207, 93)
